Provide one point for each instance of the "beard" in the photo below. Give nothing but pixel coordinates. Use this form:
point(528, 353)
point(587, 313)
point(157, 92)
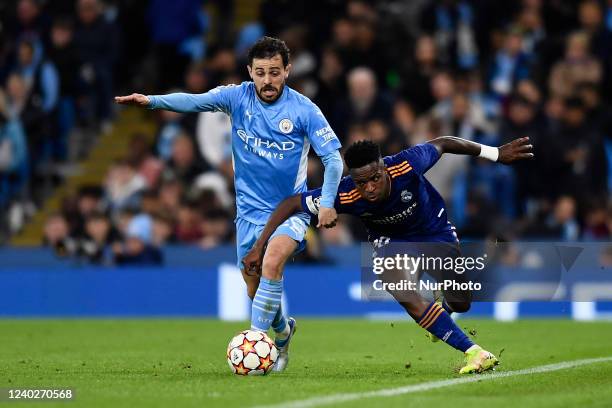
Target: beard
point(270, 98)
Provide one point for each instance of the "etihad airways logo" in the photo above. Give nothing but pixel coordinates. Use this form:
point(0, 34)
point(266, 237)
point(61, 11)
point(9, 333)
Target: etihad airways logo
point(264, 147)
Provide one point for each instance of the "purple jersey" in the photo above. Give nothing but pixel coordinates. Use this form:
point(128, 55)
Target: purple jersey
point(414, 211)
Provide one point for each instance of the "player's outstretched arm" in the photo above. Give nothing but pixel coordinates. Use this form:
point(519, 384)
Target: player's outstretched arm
point(218, 99)
point(253, 260)
point(518, 149)
point(134, 99)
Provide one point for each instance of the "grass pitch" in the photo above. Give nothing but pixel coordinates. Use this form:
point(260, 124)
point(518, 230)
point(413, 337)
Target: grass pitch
point(181, 363)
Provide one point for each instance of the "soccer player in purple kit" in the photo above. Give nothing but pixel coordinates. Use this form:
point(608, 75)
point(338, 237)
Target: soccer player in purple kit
point(273, 128)
point(397, 203)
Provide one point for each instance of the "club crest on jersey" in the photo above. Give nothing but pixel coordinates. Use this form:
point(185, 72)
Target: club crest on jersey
point(406, 196)
point(285, 126)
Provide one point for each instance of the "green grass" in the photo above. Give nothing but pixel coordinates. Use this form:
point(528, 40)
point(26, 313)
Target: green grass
point(181, 363)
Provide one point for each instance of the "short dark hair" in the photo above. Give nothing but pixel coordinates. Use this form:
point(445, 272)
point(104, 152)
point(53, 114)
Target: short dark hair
point(361, 154)
point(268, 47)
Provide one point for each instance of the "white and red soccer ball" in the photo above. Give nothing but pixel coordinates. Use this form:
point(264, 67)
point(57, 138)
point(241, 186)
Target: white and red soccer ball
point(251, 352)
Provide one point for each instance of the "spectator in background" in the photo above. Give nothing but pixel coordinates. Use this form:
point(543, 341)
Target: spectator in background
point(380, 132)
point(172, 23)
point(364, 102)
point(222, 65)
point(185, 162)
point(123, 186)
point(13, 155)
point(138, 248)
point(214, 137)
point(480, 218)
point(162, 230)
point(452, 24)
point(63, 54)
point(596, 221)
point(41, 79)
point(170, 197)
point(530, 23)
point(590, 16)
point(97, 44)
point(462, 118)
point(188, 223)
point(510, 64)
point(417, 76)
point(196, 82)
point(216, 228)
point(19, 107)
point(149, 202)
point(576, 155)
point(330, 80)
point(303, 62)
point(121, 220)
point(560, 224)
point(404, 121)
point(30, 22)
point(168, 130)
point(55, 231)
point(89, 201)
point(444, 175)
point(520, 122)
point(140, 157)
point(442, 88)
point(599, 113)
point(578, 66)
point(365, 47)
point(99, 236)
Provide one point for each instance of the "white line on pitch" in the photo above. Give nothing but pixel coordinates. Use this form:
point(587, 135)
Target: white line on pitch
point(391, 392)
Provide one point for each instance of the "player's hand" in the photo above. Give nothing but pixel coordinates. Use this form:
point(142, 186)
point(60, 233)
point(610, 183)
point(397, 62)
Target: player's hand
point(252, 261)
point(133, 99)
point(327, 217)
point(518, 149)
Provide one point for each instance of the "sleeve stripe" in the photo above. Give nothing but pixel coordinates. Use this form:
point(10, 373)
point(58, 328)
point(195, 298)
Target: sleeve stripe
point(394, 175)
point(353, 191)
point(350, 201)
point(356, 194)
point(397, 165)
point(397, 170)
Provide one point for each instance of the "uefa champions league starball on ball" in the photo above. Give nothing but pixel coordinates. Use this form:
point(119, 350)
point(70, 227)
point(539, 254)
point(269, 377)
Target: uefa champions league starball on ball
point(251, 352)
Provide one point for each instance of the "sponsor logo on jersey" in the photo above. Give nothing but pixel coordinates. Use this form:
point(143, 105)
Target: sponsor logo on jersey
point(264, 147)
point(396, 218)
point(326, 133)
point(285, 126)
point(406, 196)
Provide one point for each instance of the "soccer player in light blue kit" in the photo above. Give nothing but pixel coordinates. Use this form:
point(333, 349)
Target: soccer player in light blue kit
point(273, 127)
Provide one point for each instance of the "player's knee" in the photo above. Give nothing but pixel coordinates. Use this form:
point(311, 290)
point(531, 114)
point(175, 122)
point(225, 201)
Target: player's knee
point(272, 266)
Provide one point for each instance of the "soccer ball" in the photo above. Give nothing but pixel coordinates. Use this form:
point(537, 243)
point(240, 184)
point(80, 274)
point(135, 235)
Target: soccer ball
point(251, 352)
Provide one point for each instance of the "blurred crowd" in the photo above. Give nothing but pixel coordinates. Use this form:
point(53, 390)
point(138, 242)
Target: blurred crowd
point(396, 72)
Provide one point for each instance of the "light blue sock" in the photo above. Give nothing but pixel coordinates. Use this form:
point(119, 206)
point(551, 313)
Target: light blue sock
point(279, 323)
point(266, 304)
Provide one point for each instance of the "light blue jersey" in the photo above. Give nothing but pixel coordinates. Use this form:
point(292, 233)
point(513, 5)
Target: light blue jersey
point(270, 142)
